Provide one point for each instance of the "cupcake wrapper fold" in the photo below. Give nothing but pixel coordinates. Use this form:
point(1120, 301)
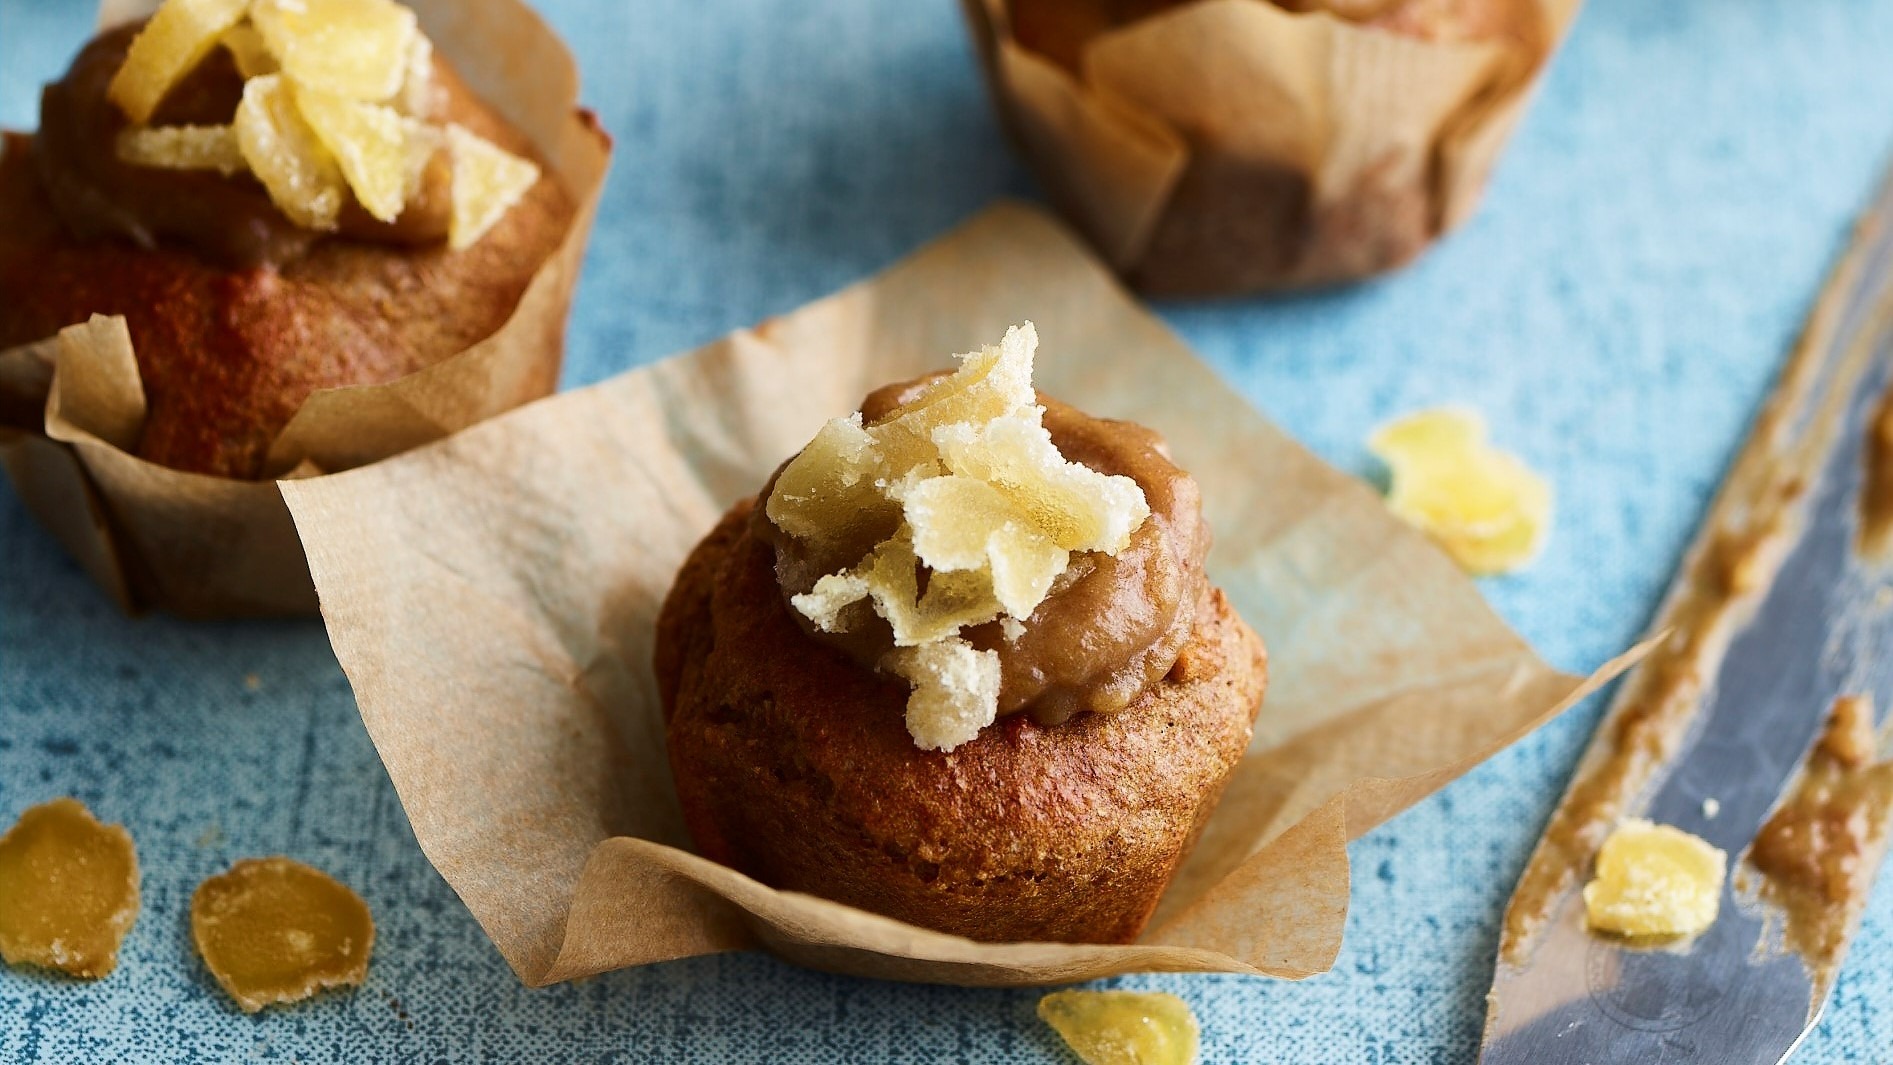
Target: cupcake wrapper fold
point(493, 599)
point(1233, 146)
point(201, 546)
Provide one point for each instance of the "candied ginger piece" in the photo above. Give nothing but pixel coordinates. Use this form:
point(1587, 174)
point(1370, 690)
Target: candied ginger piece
point(420, 142)
point(956, 691)
point(249, 51)
point(1655, 880)
point(488, 181)
point(1077, 507)
point(962, 480)
point(178, 37)
point(353, 48)
point(286, 155)
point(183, 148)
point(273, 930)
point(831, 488)
point(368, 142)
point(1123, 1027)
point(961, 523)
point(418, 96)
point(68, 890)
point(1487, 509)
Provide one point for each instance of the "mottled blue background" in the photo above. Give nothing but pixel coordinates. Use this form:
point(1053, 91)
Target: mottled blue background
point(1645, 256)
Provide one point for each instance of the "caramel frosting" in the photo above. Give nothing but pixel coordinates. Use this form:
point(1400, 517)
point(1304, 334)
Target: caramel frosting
point(1111, 626)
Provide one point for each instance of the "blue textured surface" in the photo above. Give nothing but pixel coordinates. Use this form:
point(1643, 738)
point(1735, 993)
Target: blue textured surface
point(1645, 256)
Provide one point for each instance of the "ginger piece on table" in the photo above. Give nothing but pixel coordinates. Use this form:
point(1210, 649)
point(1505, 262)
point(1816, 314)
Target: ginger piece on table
point(68, 890)
point(1123, 1027)
point(273, 930)
point(1487, 509)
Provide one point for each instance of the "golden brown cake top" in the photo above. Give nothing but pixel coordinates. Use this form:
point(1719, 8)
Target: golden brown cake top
point(999, 552)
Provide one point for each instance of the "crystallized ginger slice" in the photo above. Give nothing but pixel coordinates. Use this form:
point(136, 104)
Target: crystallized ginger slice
point(978, 514)
point(273, 930)
point(1123, 1027)
point(488, 181)
point(956, 690)
point(1655, 880)
point(178, 37)
point(286, 155)
point(68, 890)
point(249, 51)
point(368, 142)
point(1487, 509)
point(419, 96)
point(353, 48)
point(183, 148)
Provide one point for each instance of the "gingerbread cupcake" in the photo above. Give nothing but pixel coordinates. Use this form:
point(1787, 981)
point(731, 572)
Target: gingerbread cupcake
point(961, 665)
point(1215, 146)
point(323, 245)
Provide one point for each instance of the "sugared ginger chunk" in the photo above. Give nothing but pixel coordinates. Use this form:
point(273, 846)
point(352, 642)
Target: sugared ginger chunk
point(974, 490)
point(286, 155)
point(1123, 1027)
point(68, 890)
point(368, 143)
point(353, 48)
point(273, 930)
point(1655, 880)
point(1486, 508)
point(178, 37)
point(183, 148)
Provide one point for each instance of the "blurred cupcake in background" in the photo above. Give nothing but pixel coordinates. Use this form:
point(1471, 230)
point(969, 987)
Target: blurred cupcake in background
point(1221, 146)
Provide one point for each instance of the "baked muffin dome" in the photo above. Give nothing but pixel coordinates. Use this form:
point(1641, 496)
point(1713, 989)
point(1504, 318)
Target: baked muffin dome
point(1089, 728)
point(232, 334)
point(792, 766)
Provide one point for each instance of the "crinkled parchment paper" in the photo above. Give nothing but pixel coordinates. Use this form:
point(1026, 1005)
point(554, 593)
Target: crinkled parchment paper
point(1231, 145)
point(493, 596)
point(196, 545)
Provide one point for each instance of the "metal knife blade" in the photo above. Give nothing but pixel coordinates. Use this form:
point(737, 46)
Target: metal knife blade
point(1815, 629)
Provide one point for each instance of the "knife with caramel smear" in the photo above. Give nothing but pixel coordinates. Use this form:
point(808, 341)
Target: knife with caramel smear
point(1751, 726)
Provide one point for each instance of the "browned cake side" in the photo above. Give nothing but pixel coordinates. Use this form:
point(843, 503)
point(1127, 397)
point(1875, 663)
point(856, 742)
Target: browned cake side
point(229, 355)
point(793, 765)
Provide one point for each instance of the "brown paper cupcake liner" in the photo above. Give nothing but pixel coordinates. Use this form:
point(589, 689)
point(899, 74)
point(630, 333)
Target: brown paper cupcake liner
point(201, 546)
point(1232, 146)
point(493, 599)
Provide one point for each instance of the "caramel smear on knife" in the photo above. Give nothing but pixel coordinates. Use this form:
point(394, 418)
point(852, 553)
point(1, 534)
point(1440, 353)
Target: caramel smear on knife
point(1655, 880)
point(953, 510)
point(68, 890)
point(1123, 1027)
point(1485, 507)
point(273, 930)
point(338, 104)
point(1818, 852)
